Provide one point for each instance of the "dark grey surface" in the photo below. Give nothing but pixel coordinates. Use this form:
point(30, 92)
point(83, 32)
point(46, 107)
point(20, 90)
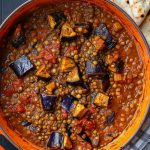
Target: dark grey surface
point(6, 7)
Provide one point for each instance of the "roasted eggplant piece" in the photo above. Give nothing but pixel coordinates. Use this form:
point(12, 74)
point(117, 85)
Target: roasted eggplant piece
point(56, 140)
point(112, 44)
point(68, 129)
point(42, 72)
point(105, 82)
point(117, 27)
point(48, 102)
point(67, 64)
point(51, 86)
point(86, 138)
point(119, 64)
point(18, 41)
point(103, 32)
point(2, 69)
point(110, 118)
point(95, 141)
point(29, 125)
point(26, 123)
point(118, 77)
point(82, 144)
point(79, 111)
point(98, 43)
point(67, 33)
point(101, 100)
point(21, 66)
point(67, 102)
point(18, 37)
point(83, 28)
point(67, 142)
point(55, 19)
point(93, 95)
point(93, 70)
point(85, 85)
point(73, 76)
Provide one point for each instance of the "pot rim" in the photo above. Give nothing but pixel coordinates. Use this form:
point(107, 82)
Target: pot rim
point(138, 30)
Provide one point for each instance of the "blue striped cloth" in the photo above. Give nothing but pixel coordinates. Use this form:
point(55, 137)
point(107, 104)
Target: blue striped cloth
point(141, 141)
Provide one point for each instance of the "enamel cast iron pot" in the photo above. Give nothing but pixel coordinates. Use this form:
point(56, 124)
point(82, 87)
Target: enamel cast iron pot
point(141, 44)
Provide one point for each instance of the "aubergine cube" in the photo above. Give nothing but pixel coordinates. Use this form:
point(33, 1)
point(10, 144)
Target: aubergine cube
point(86, 138)
point(112, 44)
point(67, 142)
point(79, 111)
point(48, 102)
point(84, 28)
point(26, 123)
point(111, 117)
point(67, 102)
point(85, 85)
point(105, 82)
point(92, 69)
point(42, 72)
point(103, 32)
point(73, 76)
point(82, 143)
point(55, 19)
point(29, 126)
point(68, 129)
point(18, 41)
point(67, 64)
point(32, 128)
point(101, 99)
point(2, 69)
point(67, 32)
point(21, 66)
point(56, 140)
point(18, 37)
point(119, 64)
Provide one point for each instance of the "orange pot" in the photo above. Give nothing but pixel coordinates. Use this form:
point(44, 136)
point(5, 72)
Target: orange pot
point(144, 53)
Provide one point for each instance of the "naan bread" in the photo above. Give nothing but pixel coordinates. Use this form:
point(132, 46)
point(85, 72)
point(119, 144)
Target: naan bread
point(137, 9)
point(145, 27)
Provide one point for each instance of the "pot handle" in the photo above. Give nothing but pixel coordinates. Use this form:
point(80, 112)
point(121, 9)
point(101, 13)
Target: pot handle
point(4, 142)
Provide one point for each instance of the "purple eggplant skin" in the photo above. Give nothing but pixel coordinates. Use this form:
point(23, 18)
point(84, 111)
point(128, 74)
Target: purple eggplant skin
point(103, 32)
point(87, 26)
point(68, 129)
point(93, 95)
point(48, 102)
point(110, 118)
point(26, 123)
point(19, 41)
point(105, 82)
point(29, 125)
point(85, 85)
point(93, 70)
point(69, 39)
point(21, 66)
point(119, 64)
point(2, 69)
point(112, 44)
point(58, 17)
point(67, 102)
point(56, 140)
point(87, 139)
